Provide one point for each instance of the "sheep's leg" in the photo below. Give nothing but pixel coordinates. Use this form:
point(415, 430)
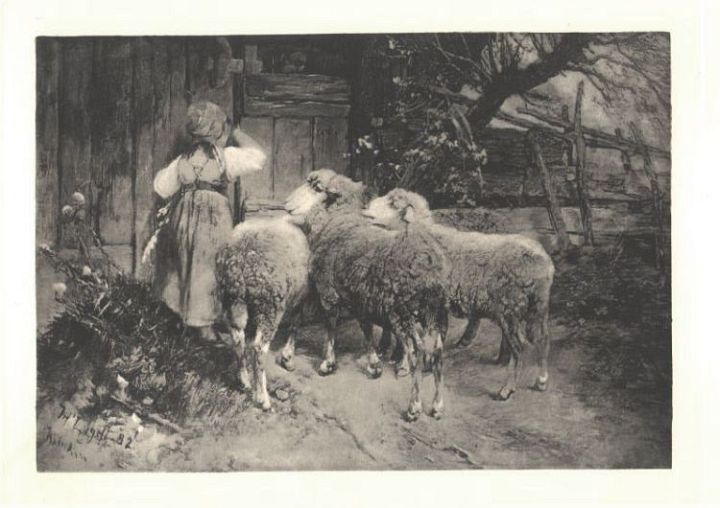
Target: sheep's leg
point(515, 335)
point(287, 355)
point(374, 367)
point(398, 356)
point(259, 348)
point(438, 404)
point(415, 405)
point(470, 331)
point(544, 342)
point(504, 355)
point(402, 366)
point(385, 341)
point(329, 364)
point(238, 317)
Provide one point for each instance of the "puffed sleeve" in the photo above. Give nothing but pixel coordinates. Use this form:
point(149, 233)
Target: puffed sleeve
point(241, 161)
point(167, 181)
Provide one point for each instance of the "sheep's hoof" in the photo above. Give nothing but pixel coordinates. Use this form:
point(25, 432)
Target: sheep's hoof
point(541, 384)
point(374, 370)
point(502, 359)
point(402, 369)
point(243, 379)
point(327, 368)
point(504, 393)
point(264, 404)
point(462, 343)
point(286, 363)
point(398, 355)
point(413, 413)
point(436, 412)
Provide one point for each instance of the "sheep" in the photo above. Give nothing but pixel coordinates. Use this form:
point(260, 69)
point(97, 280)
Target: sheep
point(505, 278)
point(391, 279)
point(262, 276)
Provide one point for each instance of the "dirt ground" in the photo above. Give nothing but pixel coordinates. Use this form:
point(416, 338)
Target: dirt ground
point(587, 419)
point(608, 404)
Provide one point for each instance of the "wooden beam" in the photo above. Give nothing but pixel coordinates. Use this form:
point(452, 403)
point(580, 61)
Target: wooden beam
point(582, 190)
point(553, 208)
point(296, 95)
point(611, 140)
point(143, 142)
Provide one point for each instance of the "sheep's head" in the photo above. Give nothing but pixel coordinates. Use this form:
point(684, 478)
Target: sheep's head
point(324, 188)
point(398, 207)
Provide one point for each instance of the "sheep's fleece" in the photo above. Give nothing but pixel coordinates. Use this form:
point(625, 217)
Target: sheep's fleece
point(388, 277)
point(264, 264)
point(492, 275)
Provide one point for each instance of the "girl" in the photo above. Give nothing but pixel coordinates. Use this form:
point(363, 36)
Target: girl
point(200, 219)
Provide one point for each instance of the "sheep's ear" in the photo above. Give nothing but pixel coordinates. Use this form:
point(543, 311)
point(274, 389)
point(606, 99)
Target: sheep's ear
point(408, 214)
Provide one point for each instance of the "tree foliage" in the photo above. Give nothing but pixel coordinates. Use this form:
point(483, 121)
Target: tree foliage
point(446, 87)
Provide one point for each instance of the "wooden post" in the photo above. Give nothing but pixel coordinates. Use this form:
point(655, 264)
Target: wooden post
point(582, 191)
point(567, 145)
point(556, 219)
point(657, 194)
point(624, 155)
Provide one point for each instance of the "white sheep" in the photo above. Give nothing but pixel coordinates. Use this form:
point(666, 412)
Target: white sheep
point(506, 278)
point(262, 280)
point(392, 279)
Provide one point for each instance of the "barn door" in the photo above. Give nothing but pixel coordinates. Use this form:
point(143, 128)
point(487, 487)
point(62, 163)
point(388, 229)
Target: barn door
point(302, 122)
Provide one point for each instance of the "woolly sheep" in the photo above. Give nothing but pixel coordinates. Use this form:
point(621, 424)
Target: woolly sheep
point(392, 279)
point(262, 280)
point(506, 278)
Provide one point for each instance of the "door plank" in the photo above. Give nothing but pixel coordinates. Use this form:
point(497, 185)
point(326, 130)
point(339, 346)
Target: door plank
point(74, 128)
point(47, 180)
point(258, 185)
point(111, 120)
point(293, 154)
point(330, 144)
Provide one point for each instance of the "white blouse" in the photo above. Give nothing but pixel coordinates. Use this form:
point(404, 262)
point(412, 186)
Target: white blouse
point(238, 162)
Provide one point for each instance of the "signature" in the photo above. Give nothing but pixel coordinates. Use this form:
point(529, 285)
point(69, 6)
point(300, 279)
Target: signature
point(96, 430)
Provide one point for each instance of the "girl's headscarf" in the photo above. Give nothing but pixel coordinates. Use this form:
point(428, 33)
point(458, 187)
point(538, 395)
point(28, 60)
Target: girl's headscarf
point(206, 121)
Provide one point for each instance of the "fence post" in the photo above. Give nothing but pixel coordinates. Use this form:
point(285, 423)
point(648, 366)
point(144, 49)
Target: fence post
point(624, 155)
point(554, 212)
point(582, 191)
point(657, 195)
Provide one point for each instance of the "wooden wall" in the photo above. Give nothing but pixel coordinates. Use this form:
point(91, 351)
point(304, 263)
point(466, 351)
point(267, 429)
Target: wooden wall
point(111, 112)
point(302, 122)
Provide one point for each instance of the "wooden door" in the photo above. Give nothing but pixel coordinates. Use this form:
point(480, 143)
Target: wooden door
point(301, 120)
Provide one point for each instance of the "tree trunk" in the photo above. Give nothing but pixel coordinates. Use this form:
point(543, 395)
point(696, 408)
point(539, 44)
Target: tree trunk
point(556, 219)
point(582, 191)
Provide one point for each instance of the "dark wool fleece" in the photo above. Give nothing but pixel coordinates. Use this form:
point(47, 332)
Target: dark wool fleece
point(392, 278)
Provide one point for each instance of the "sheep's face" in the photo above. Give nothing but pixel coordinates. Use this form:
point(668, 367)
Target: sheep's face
point(303, 200)
point(315, 191)
point(324, 189)
point(397, 207)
